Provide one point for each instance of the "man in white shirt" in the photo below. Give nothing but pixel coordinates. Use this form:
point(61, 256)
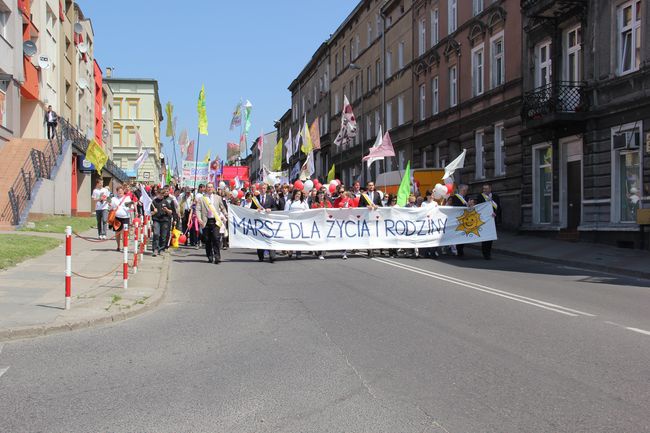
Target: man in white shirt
point(100, 195)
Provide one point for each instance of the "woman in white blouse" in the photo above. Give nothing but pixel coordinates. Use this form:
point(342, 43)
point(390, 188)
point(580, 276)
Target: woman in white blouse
point(297, 203)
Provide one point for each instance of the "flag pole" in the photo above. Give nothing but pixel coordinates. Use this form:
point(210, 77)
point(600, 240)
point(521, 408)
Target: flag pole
point(196, 158)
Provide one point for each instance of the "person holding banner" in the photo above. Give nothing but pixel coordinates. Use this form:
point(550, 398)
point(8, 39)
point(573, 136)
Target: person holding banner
point(344, 200)
point(429, 202)
point(320, 202)
point(487, 197)
point(370, 199)
point(296, 204)
point(265, 203)
point(460, 200)
point(211, 212)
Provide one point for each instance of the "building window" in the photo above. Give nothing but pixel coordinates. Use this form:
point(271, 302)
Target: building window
point(357, 85)
point(378, 71)
point(423, 101)
point(379, 24)
point(389, 116)
point(452, 16)
point(389, 62)
point(133, 108)
point(453, 87)
point(369, 34)
point(400, 56)
point(343, 57)
point(4, 85)
point(368, 127)
point(422, 33)
point(497, 61)
point(435, 27)
point(435, 96)
point(368, 79)
point(543, 184)
point(295, 112)
point(480, 155)
point(377, 122)
point(477, 71)
point(572, 57)
point(543, 63)
point(499, 151)
point(337, 103)
point(117, 106)
point(629, 36)
point(477, 7)
point(357, 45)
point(326, 80)
point(400, 110)
point(4, 22)
point(424, 158)
point(401, 159)
point(626, 172)
point(117, 134)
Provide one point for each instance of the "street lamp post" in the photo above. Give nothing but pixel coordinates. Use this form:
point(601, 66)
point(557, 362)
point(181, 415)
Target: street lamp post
point(363, 114)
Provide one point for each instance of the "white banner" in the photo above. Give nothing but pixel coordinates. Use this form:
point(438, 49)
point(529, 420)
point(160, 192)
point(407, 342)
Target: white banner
point(195, 173)
point(360, 228)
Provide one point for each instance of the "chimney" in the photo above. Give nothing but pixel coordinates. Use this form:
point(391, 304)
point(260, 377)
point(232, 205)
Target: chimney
point(109, 72)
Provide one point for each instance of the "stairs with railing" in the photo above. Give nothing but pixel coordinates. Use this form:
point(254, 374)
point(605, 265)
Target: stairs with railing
point(23, 163)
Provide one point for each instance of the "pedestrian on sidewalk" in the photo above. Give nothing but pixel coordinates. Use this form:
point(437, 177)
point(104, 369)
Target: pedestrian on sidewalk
point(212, 213)
point(162, 209)
point(121, 203)
point(100, 195)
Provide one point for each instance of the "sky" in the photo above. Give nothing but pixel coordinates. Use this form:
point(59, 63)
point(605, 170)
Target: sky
point(239, 49)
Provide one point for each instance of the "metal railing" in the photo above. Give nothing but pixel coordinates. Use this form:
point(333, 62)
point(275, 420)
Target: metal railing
point(555, 97)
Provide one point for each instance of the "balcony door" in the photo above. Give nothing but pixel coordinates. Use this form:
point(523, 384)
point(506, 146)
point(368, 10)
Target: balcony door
point(571, 68)
point(543, 63)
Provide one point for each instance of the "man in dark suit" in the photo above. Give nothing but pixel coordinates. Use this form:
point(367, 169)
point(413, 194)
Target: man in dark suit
point(372, 200)
point(493, 199)
point(265, 203)
point(460, 200)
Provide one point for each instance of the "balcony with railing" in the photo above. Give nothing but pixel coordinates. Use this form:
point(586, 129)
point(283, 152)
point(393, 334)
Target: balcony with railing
point(556, 102)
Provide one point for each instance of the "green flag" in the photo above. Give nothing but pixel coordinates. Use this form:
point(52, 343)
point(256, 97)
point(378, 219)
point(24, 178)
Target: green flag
point(404, 187)
point(169, 176)
point(169, 108)
point(277, 156)
point(331, 174)
point(248, 107)
point(202, 111)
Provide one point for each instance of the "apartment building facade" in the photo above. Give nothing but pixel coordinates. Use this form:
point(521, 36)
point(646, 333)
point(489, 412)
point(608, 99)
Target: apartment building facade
point(587, 118)
point(466, 94)
point(136, 108)
point(310, 100)
point(11, 69)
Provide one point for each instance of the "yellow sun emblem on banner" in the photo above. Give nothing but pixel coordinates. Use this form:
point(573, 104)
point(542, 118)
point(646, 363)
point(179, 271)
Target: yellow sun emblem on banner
point(469, 222)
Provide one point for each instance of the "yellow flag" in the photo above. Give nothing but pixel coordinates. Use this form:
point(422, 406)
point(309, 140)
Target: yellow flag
point(331, 174)
point(307, 145)
point(207, 157)
point(203, 114)
point(96, 155)
point(277, 156)
point(169, 108)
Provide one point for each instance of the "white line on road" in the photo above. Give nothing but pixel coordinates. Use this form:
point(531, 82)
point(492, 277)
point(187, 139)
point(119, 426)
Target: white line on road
point(479, 287)
point(640, 331)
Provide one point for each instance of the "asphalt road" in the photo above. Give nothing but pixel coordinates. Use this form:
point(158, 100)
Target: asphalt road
point(360, 345)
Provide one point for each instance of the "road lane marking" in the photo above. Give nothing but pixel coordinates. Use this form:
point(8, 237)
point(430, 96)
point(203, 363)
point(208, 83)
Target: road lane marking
point(490, 290)
point(640, 331)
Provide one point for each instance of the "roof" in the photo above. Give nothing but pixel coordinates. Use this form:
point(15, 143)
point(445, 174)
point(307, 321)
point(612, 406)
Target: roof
point(312, 62)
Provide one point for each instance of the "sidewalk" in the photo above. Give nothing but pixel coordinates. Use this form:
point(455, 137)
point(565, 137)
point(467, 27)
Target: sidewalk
point(32, 294)
point(585, 255)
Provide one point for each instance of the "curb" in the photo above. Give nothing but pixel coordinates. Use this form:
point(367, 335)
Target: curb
point(24, 332)
point(571, 263)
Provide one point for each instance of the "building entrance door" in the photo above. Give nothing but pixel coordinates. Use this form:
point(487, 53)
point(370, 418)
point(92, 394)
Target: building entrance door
point(574, 194)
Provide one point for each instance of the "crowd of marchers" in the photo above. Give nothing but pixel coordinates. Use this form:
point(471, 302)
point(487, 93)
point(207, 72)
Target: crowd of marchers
point(201, 214)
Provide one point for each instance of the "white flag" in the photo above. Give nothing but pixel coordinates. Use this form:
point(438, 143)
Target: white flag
point(146, 200)
point(289, 145)
point(141, 158)
point(459, 162)
point(378, 141)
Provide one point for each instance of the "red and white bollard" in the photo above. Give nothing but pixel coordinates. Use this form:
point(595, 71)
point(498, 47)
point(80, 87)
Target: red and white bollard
point(136, 235)
point(68, 266)
point(146, 232)
point(125, 266)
